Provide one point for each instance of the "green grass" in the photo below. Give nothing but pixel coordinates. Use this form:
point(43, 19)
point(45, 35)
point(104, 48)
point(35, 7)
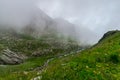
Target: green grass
point(13, 71)
point(26, 45)
point(100, 62)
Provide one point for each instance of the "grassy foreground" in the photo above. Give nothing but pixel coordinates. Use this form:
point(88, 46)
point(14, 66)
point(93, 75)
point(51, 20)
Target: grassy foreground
point(101, 62)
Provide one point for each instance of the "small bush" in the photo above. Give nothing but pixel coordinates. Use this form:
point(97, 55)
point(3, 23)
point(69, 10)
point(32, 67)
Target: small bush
point(114, 58)
point(99, 59)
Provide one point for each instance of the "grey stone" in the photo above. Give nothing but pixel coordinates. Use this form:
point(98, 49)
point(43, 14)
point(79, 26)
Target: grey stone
point(9, 57)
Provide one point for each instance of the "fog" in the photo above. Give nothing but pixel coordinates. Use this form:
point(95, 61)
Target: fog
point(90, 18)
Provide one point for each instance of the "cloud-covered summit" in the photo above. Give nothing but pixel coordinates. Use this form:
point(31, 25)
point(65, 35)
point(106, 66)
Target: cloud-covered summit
point(90, 18)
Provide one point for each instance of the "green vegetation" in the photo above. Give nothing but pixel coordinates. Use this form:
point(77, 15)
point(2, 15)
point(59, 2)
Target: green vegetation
point(27, 44)
point(22, 71)
point(100, 62)
point(47, 46)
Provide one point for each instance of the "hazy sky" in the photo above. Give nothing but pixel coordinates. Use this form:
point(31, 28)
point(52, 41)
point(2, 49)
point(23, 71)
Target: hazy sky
point(97, 15)
point(16, 12)
point(90, 16)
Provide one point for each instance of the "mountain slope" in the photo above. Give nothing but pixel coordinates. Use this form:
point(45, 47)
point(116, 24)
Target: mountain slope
point(41, 24)
point(13, 45)
point(101, 62)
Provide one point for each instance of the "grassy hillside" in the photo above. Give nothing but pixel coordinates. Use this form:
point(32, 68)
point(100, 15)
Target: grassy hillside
point(27, 44)
point(38, 51)
point(101, 62)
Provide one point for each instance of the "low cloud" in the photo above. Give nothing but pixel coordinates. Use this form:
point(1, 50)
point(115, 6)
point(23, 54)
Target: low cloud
point(91, 18)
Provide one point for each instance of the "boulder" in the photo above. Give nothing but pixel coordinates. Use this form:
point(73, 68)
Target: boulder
point(9, 57)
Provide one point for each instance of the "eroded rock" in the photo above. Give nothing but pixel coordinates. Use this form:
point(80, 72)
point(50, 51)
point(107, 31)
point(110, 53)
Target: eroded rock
point(9, 57)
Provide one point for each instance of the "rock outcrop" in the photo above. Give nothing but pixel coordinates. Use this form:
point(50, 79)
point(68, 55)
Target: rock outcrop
point(109, 33)
point(9, 57)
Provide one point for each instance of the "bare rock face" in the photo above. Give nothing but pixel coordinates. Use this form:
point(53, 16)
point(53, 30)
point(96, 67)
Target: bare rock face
point(11, 58)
